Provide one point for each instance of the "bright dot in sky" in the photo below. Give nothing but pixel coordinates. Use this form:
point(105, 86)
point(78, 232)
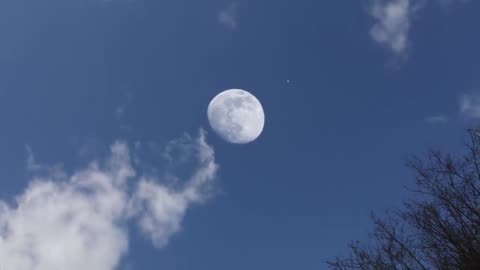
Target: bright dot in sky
point(236, 115)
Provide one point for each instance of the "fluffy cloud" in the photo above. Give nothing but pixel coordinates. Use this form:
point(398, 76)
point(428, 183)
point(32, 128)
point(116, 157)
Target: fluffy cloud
point(158, 206)
point(80, 221)
point(392, 23)
point(228, 16)
point(470, 106)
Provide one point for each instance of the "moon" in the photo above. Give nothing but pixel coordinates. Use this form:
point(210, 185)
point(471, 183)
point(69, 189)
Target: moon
point(237, 116)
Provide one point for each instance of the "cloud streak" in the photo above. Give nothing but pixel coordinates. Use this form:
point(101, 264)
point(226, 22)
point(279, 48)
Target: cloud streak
point(436, 119)
point(81, 221)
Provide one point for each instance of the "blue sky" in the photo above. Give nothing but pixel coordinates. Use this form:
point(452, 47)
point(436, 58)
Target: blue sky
point(350, 90)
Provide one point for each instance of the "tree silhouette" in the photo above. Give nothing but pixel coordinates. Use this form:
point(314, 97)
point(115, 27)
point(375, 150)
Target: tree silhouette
point(438, 228)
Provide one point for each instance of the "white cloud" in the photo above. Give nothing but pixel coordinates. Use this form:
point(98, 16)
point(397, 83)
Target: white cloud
point(228, 16)
point(81, 222)
point(470, 106)
point(393, 19)
point(159, 206)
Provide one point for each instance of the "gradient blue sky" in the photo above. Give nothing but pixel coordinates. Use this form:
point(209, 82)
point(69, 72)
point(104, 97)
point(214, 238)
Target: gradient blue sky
point(77, 75)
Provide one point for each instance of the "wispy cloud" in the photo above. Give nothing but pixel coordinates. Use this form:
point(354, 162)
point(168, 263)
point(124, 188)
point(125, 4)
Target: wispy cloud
point(448, 3)
point(228, 16)
point(121, 110)
point(470, 106)
point(81, 221)
point(392, 23)
point(32, 164)
point(122, 107)
point(436, 119)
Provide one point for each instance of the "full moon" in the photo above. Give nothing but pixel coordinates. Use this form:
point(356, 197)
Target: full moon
point(236, 116)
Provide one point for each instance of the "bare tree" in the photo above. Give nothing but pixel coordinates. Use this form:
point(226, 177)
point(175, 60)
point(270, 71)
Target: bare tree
point(438, 229)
